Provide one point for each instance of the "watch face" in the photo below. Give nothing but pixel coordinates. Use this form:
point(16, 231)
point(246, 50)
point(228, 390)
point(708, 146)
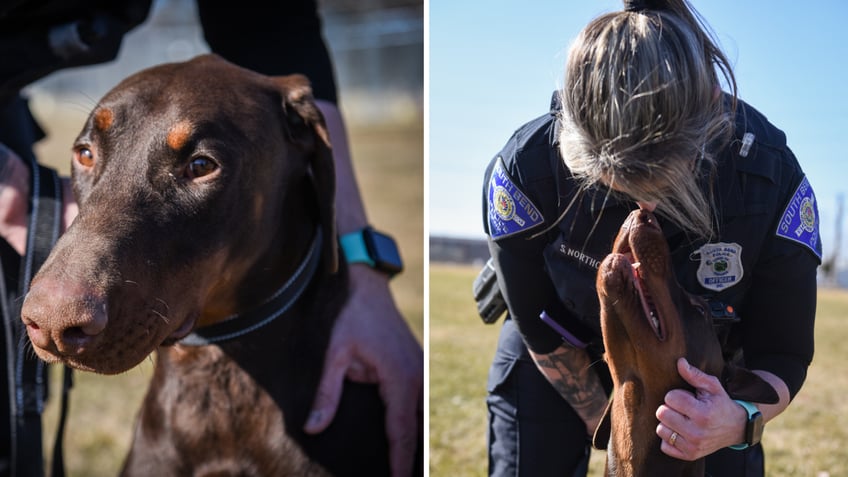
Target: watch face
point(384, 251)
point(755, 429)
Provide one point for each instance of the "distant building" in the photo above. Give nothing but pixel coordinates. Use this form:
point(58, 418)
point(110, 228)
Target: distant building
point(458, 250)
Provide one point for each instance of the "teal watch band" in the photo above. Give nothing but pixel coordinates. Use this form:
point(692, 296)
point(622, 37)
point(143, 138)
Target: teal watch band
point(355, 250)
point(375, 249)
point(753, 414)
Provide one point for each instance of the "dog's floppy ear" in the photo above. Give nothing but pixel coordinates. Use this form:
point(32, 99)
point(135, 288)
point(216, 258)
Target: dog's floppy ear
point(601, 438)
point(743, 384)
point(307, 130)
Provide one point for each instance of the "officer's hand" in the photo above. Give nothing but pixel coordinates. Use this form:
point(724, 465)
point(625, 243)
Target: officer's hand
point(14, 194)
point(372, 343)
point(704, 421)
point(14, 200)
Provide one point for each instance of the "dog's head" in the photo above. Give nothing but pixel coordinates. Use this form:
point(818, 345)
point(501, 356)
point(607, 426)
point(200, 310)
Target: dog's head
point(649, 321)
point(200, 186)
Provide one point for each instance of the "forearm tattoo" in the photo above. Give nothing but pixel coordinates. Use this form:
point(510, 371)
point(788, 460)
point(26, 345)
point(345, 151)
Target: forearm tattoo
point(568, 370)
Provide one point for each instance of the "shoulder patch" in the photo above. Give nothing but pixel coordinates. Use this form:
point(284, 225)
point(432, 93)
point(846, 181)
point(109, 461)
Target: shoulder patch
point(510, 210)
point(800, 220)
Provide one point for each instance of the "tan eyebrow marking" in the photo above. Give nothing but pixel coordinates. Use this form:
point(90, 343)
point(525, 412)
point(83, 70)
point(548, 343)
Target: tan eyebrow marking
point(178, 135)
point(103, 119)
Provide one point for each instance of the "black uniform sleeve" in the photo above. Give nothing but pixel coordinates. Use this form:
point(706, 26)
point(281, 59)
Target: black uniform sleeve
point(778, 314)
point(527, 290)
point(38, 38)
point(519, 259)
point(272, 38)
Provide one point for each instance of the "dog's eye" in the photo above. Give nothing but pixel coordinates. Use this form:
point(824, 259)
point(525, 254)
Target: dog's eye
point(200, 167)
point(84, 157)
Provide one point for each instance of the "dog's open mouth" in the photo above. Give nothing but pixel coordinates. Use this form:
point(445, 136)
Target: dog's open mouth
point(649, 308)
point(638, 271)
point(637, 242)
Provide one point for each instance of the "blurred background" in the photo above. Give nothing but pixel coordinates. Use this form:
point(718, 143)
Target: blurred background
point(376, 46)
point(378, 51)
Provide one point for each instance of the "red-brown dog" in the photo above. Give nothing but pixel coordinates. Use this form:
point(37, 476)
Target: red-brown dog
point(206, 198)
point(649, 322)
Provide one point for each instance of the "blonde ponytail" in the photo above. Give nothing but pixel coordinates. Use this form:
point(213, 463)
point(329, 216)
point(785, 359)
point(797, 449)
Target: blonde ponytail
point(642, 109)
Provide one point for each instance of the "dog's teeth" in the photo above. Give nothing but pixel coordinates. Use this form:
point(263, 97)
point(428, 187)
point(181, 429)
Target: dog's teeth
point(655, 321)
point(636, 265)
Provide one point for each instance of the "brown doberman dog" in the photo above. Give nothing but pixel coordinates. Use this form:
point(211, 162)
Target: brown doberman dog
point(206, 232)
point(648, 322)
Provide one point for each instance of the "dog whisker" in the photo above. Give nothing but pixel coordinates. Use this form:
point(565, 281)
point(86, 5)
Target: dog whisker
point(160, 315)
point(593, 363)
point(82, 103)
point(29, 349)
point(165, 304)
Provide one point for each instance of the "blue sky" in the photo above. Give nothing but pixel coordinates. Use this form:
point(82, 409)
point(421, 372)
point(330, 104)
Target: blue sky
point(494, 64)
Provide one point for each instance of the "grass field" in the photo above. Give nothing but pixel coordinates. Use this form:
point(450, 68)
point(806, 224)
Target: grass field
point(809, 439)
point(389, 165)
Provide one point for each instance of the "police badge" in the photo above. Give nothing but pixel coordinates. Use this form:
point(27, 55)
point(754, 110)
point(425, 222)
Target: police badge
point(721, 265)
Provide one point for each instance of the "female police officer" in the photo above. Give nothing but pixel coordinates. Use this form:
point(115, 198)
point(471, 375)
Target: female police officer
point(642, 120)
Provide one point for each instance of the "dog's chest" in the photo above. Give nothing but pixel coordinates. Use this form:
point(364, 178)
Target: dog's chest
point(219, 393)
point(219, 416)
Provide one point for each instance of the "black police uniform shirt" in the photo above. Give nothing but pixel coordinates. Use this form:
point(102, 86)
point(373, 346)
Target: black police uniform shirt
point(547, 241)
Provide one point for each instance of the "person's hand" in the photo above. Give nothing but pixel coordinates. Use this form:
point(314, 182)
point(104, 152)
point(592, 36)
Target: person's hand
point(372, 343)
point(704, 422)
point(14, 199)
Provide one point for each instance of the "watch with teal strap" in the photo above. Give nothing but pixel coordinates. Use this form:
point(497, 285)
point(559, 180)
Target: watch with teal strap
point(753, 428)
point(372, 248)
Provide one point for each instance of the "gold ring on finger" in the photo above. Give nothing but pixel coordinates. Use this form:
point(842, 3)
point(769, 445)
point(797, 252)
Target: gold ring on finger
point(673, 438)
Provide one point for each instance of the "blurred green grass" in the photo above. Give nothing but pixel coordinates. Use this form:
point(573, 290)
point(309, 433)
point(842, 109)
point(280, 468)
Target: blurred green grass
point(461, 348)
point(388, 160)
point(809, 439)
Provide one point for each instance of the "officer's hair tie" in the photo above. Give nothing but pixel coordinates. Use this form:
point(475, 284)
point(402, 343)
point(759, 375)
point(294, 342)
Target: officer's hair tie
point(634, 5)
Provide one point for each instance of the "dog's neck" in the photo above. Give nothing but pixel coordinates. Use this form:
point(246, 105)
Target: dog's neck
point(256, 277)
point(275, 307)
point(294, 232)
point(634, 449)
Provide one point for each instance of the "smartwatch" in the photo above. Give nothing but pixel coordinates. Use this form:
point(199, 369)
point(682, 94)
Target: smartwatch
point(753, 428)
point(373, 248)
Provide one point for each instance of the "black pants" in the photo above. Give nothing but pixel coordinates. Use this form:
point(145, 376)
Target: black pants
point(533, 432)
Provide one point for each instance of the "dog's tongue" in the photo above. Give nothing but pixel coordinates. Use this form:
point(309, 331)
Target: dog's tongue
point(648, 307)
